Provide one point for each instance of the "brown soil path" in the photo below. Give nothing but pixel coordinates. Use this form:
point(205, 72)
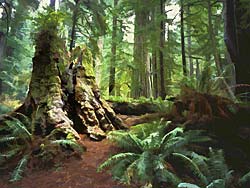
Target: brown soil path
point(75, 173)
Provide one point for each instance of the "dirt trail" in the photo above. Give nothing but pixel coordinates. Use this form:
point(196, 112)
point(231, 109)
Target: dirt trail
point(75, 173)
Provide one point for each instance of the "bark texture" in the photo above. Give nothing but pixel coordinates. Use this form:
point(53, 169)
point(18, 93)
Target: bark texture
point(63, 97)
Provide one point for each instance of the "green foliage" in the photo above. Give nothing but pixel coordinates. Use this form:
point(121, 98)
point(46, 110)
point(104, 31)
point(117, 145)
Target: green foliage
point(49, 20)
point(213, 170)
point(69, 143)
point(16, 140)
point(17, 174)
point(244, 181)
point(147, 150)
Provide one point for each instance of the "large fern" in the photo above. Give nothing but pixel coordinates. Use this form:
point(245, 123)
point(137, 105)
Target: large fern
point(145, 154)
point(213, 170)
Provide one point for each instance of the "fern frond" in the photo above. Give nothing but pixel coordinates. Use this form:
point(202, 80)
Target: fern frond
point(217, 165)
point(9, 154)
point(168, 177)
point(194, 169)
point(219, 183)
point(7, 139)
point(136, 142)
point(145, 167)
point(126, 141)
point(17, 174)
point(172, 134)
point(195, 136)
point(152, 141)
point(19, 129)
point(245, 180)
point(172, 145)
point(187, 185)
point(114, 159)
point(64, 142)
point(200, 161)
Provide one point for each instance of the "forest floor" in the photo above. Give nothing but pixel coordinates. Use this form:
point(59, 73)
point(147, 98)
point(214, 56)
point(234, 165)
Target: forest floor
point(74, 173)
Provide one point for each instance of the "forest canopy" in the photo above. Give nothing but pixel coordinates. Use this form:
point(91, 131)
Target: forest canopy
point(140, 49)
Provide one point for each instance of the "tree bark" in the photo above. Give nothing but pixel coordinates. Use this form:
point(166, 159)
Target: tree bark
point(183, 52)
point(113, 54)
point(63, 97)
point(213, 39)
point(242, 65)
point(53, 4)
point(237, 39)
point(161, 53)
point(140, 82)
point(73, 29)
point(2, 50)
point(191, 66)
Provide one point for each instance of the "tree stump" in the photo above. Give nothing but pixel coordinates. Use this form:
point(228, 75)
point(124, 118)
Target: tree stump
point(63, 96)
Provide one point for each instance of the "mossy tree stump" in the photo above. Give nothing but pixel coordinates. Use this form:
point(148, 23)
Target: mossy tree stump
point(63, 97)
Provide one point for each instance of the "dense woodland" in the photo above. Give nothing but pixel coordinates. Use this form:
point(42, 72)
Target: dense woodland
point(125, 93)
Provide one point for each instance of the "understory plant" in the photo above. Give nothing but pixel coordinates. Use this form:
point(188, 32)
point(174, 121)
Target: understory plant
point(215, 172)
point(148, 153)
point(17, 142)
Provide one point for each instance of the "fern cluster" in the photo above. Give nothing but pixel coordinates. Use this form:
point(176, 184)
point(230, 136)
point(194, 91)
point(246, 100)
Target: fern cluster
point(215, 172)
point(148, 154)
point(17, 141)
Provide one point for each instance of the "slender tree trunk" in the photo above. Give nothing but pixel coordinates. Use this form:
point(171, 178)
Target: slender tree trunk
point(73, 29)
point(161, 53)
point(197, 69)
point(230, 41)
point(213, 39)
point(155, 74)
point(184, 63)
point(2, 51)
point(113, 53)
point(191, 66)
point(53, 4)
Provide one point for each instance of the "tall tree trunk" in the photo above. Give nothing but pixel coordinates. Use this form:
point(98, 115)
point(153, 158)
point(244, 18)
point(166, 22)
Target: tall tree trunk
point(213, 39)
point(161, 53)
point(140, 82)
point(2, 51)
point(155, 74)
point(230, 34)
point(73, 29)
point(197, 69)
point(183, 52)
point(113, 53)
point(242, 65)
point(52, 4)
point(191, 66)
point(237, 39)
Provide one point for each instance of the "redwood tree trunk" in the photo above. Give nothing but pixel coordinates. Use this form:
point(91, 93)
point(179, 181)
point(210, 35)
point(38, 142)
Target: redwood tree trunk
point(140, 82)
point(237, 39)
